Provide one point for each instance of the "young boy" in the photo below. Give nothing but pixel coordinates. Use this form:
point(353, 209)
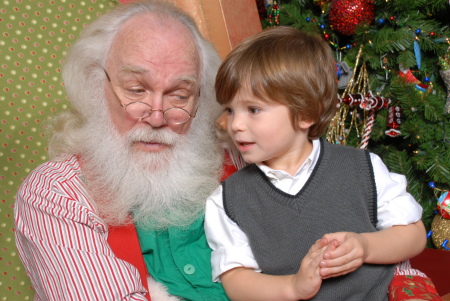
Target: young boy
point(306, 218)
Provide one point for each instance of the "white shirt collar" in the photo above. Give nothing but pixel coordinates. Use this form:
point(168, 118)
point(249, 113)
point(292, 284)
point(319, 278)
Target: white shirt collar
point(307, 166)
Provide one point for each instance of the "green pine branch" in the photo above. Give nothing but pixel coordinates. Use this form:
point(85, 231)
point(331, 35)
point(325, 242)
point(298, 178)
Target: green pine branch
point(403, 35)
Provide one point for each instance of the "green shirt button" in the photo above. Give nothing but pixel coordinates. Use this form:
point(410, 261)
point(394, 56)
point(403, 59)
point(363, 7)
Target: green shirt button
point(189, 269)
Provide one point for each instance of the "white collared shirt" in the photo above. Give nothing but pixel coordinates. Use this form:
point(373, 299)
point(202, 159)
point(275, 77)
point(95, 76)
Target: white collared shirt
point(230, 245)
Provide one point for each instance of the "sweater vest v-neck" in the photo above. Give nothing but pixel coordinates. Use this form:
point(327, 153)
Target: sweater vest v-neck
point(340, 195)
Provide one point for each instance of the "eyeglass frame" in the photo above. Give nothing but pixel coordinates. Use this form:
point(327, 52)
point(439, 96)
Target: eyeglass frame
point(151, 108)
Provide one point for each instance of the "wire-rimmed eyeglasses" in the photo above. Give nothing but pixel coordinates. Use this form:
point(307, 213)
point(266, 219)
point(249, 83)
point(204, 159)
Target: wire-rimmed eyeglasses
point(140, 109)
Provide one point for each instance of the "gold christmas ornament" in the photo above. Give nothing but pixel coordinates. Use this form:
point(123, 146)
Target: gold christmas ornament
point(440, 228)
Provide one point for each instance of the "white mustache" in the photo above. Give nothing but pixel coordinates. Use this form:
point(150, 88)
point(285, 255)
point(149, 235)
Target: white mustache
point(163, 136)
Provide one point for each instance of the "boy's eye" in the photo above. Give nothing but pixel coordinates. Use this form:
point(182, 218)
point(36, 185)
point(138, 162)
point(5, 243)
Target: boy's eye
point(229, 111)
point(254, 110)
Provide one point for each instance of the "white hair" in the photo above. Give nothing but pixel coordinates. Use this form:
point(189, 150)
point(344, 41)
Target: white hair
point(120, 181)
point(83, 74)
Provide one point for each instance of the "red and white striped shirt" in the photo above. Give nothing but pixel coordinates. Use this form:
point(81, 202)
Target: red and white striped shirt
point(63, 242)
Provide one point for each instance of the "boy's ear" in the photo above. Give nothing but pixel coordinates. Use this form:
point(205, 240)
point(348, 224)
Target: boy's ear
point(221, 122)
point(305, 124)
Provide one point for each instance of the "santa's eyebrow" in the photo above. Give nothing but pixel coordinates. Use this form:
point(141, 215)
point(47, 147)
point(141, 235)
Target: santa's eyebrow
point(133, 69)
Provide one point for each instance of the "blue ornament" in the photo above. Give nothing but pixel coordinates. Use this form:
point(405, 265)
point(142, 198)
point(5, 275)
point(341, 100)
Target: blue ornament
point(380, 21)
point(444, 245)
point(339, 70)
point(417, 53)
point(431, 184)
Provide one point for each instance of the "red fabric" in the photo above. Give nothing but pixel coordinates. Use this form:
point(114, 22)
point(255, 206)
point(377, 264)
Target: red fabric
point(404, 288)
point(124, 242)
point(436, 265)
point(228, 169)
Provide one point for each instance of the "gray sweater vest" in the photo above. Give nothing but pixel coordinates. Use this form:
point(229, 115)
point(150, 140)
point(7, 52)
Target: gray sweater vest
point(340, 195)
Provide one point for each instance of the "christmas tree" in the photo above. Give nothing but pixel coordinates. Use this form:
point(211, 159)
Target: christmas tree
point(394, 79)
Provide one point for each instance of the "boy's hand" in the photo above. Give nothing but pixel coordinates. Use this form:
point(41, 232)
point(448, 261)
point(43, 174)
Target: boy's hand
point(346, 257)
point(308, 280)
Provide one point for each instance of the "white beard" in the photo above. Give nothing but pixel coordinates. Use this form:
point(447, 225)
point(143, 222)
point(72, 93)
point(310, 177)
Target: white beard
point(163, 189)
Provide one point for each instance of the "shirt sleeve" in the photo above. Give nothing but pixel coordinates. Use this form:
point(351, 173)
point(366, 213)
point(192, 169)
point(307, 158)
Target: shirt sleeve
point(229, 244)
point(63, 245)
point(395, 205)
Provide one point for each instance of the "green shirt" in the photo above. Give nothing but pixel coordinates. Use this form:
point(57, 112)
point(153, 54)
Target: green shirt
point(181, 260)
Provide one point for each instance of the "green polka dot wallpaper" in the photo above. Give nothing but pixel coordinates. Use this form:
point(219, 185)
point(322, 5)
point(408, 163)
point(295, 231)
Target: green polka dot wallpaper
point(35, 35)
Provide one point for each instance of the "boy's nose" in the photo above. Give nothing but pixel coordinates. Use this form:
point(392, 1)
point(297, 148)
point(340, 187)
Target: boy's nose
point(236, 123)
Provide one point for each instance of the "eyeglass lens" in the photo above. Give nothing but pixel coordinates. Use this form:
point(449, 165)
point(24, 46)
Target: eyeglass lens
point(138, 109)
point(141, 110)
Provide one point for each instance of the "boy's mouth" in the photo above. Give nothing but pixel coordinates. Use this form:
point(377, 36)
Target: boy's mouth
point(244, 146)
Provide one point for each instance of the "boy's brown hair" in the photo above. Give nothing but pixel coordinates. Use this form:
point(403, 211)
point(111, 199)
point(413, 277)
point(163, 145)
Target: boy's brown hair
point(284, 65)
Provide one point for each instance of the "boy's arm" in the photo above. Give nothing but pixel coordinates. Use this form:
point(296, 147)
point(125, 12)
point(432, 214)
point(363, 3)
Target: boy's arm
point(245, 284)
point(395, 244)
point(388, 246)
point(402, 234)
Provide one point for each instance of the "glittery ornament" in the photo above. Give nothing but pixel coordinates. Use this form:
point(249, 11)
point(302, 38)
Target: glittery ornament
point(273, 15)
point(440, 228)
point(446, 77)
point(444, 62)
point(345, 15)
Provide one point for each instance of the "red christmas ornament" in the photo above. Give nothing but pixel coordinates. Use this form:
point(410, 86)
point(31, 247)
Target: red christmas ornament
point(353, 100)
point(394, 121)
point(444, 205)
point(345, 15)
point(374, 102)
